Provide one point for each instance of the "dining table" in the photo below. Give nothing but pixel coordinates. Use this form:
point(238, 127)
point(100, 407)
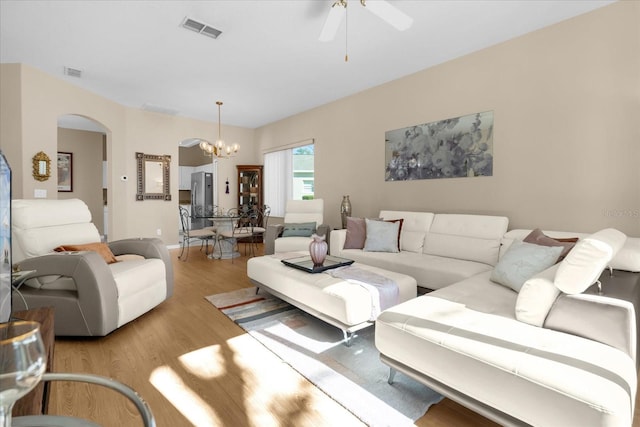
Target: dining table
point(224, 248)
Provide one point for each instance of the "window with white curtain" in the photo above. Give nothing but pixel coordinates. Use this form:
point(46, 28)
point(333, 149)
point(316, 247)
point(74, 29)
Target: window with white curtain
point(288, 175)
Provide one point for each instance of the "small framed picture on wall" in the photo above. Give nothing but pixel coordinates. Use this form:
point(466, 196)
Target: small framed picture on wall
point(65, 172)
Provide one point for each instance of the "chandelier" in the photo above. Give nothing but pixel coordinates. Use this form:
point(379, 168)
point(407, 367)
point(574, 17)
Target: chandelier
point(219, 149)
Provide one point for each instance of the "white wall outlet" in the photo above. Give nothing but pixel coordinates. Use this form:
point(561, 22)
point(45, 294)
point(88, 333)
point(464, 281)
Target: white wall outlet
point(39, 193)
point(159, 232)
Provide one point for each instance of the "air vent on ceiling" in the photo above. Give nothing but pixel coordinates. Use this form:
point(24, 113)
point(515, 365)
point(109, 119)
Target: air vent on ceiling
point(73, 72)
point(199, 27)
point(158, 109)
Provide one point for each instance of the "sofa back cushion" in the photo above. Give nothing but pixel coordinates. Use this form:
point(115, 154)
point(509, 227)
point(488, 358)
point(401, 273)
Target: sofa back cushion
point(627, 258)
point(584, 264)
point(40, 225)
point(414, 228)
point(469, 237)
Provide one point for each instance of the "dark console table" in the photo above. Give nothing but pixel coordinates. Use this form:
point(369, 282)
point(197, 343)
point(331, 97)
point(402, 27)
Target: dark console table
point(37, 400)
point(622, 285)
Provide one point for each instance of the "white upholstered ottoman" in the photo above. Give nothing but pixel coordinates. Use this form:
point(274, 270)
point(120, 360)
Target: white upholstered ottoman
point(336, 301)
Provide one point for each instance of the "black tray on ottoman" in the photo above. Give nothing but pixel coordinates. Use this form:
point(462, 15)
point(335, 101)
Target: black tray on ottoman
point(304, 263)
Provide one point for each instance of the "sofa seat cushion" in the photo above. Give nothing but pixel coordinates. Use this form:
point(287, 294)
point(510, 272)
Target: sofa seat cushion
point(141, 285)
point(481, 294)
point(430, 271)
point(101, 248)
point(537, 375)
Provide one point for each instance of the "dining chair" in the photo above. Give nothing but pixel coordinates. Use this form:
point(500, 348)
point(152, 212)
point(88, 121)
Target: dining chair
point(189, 235)
point(260, 219)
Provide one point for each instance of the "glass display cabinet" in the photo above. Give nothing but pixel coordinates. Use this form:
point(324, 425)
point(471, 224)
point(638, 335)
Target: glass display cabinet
point(249, 187)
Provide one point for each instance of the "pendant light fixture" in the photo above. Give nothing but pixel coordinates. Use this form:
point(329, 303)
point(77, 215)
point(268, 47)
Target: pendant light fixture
point(220, 149)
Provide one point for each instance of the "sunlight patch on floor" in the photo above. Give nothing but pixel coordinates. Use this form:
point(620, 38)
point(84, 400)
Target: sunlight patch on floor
point(269, 390)
point(274, 388)
point(206, 362)
point(190, 405)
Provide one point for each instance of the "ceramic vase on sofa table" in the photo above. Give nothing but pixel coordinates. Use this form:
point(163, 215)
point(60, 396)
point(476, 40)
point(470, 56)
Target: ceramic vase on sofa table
point(345, 210)
point(318, 249)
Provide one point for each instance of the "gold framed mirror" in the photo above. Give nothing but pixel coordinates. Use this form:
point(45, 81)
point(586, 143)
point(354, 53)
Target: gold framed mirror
point(41, 166)
point(153, 177)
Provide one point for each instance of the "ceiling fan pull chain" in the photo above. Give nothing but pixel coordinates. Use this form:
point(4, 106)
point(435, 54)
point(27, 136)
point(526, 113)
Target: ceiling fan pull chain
point(346, 33)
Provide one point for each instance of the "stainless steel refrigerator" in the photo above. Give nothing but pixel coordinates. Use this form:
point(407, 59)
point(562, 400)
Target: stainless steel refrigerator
point(201, 199)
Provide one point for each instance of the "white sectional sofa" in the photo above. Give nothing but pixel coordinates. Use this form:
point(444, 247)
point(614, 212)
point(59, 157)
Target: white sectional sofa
point(539, 356)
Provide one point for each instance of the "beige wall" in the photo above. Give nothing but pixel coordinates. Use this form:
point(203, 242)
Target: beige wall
point(86, 150)
point(30, 105)
point(10, 122)
point(566, 103)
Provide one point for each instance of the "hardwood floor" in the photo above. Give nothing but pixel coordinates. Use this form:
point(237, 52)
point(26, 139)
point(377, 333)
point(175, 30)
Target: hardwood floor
point(195, 367)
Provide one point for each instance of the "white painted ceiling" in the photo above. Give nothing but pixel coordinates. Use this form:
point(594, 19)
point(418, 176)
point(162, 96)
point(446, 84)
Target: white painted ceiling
point(268, 63)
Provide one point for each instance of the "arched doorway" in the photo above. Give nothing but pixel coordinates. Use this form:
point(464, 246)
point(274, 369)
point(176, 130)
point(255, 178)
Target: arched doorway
point(82, 167)
point(191, 160)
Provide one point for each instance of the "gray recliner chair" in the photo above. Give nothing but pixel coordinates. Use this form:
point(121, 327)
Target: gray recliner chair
point(91, 297)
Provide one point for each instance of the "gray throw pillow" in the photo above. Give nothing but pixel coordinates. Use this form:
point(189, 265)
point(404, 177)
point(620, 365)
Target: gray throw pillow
point(382, 236)
point(302, 229)
point(523, 261)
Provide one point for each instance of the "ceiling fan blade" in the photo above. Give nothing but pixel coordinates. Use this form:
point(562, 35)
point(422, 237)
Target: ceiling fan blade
point(330, 28)
point(394, 16)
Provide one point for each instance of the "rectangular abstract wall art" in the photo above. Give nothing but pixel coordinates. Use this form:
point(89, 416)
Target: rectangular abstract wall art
point(451, 148)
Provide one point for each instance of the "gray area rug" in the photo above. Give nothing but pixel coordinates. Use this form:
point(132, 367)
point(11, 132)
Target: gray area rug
point(352, 376)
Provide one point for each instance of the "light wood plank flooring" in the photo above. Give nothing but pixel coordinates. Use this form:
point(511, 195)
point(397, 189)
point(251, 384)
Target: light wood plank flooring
point(195, 367)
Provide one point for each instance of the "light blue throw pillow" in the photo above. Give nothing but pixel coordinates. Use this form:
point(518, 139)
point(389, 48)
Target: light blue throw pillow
point(382, 236)
point(301, 229)
point(523, 261)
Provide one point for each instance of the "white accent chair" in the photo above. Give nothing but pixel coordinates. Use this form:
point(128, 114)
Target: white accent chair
point(90, 297)
point(296, 211)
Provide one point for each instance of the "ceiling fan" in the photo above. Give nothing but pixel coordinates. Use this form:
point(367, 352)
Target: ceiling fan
point(380, 8)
